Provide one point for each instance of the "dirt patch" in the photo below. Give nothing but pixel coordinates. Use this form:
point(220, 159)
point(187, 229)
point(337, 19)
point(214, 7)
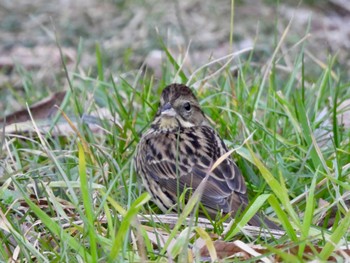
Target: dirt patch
point(128, 33)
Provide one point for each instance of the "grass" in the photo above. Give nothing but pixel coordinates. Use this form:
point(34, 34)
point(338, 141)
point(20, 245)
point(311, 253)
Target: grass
point(74, 196)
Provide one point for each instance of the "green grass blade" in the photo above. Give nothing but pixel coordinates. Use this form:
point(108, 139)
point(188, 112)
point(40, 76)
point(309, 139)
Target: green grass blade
point(334, 239)
point(248, 214)
point(172, 60)
point(85, 191)
point(99, 62)
point(208, 242)
point(56, 229)
point(283, 217)
point(279, 189)
point(125, 225)
point(22, 241)
point(308, 214)
point(316, 154)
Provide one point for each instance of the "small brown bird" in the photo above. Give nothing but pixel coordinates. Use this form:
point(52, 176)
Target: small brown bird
point(178, 151)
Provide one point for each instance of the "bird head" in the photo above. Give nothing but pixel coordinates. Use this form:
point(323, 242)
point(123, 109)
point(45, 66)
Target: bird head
point(178, 108)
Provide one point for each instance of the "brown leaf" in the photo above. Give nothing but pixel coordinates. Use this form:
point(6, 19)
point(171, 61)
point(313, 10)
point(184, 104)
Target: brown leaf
point(237, 249)
point(329, 213)
point(41, 110)
point(243, 251)
point(44, 204)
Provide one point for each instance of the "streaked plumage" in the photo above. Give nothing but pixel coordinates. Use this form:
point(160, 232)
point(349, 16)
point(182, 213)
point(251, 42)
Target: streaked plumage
point(179, 150)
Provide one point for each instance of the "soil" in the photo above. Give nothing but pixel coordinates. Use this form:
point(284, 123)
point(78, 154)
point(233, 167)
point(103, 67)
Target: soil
point(128, 33)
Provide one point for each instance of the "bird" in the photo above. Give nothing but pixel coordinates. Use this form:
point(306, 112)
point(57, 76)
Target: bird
point(177, 153)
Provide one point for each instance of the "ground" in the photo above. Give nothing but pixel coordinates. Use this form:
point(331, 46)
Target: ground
point(128, 34)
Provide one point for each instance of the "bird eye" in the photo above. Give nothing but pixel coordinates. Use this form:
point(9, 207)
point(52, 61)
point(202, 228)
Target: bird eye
point(187, 106)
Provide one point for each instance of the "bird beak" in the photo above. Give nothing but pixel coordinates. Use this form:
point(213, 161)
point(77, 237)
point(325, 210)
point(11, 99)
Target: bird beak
point(167, 110)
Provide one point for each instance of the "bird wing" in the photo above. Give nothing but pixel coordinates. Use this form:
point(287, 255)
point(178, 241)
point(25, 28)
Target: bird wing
point(177, 161)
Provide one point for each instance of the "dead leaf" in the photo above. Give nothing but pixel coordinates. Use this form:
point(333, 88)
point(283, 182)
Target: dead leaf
point(242, 251)
point(236, 249)
point(40, 110)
